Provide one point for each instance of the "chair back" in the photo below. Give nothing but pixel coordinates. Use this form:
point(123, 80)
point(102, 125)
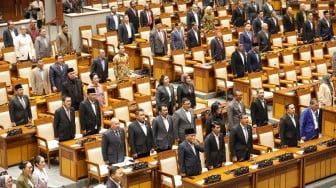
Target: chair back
point(120, 110)
point(178, 57)
point(145, 103)
point(112, 38)
point(144, 32)
point(304, 96)
point(53, 102)
point(86, 32)
point(101, 29)
point(84, 74)
point(167, 161)
point(220, 71)
point(168, 8)
point(5, 74)
point(265, 135)
point(125, 90)
point(71, 60)
point(273, 60)
point(222, 11)
point(230, 47)
point(8, 54)
point(287, 57)
point(156, 8)
point(24, 70)
point(4, 116)
point(45, 128)
point(143, 85)
point(3, 93)
point(318, 50)
point(331, 46)
point(291, 37)
point(111, 74)
point(198, 54)
point(276, 40)
point(305, 53)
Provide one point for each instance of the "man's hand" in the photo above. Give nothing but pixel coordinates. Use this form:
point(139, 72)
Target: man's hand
point(107, 162)
point(234, 159)
point(54, 89)
point(135, 156)
point(183, 175)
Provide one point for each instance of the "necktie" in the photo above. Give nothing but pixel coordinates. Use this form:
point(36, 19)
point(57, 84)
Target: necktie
point(161, 37)
point(304, 16)
point(257, 57)
point(311, 25)
point(68, 114)
point(22, 102)
point(61, 68)
point(116, 133)
point(220, 43)
point(149, 18)
point(103, 64)
point(246, 134)
point(93, 107)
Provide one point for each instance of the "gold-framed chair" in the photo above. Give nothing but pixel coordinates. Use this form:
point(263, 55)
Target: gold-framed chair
point(168, 169)
point(145, 102)
point(3, 93)
point(8, 54)
point(53, 102)
point(125, 90)
point(166, 22)
point(273, 78)
point(24, 70)
point(121, 111)
point(266, 137)
point(101, 29)
point(156, 9)
point(111, 74)
point(255, 80)
point(84, 74)
point(46, 142)
point(168, 8)
point(230, 47)
point(181, 64)
point(144, 32)
point(146, 57)
point(5, 74)
point(111, 43)
point(290, 74)
point(304, 96)
point(72, 62)
point(276, 40)
point(86, 33)
point(221, 77)
point(4, 116)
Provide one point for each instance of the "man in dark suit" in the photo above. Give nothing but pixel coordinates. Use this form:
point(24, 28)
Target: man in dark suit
point(177, 37)
point(251, 10)
point(133, 16)
point(126, 32)
point(235, 108)
point(241, 140)
point(259, 113)
point(194, 16)
point(68, 6)
point(19, 108)
point(273, 23)
point(238, 62)
point(308, 29)
point(146, 17)
point(193, 36)
point(267, 8)
point(64, 121)
point(115, 178)
point(163, 130)
point(140, 136)
point(289, 127)
point(184, 118)
point(263, 38)
point(246, 38)
point(254, 63)
point(325, 28)
point(89, 111)
point(7, 34)
point(217, 47)
point(112, 20)
point(58, 73)
point(113, 143)
point(158, 40)
point(188, 154)
point(73, 87)
point(309, 121)
point(238, 15)
point(288, 21)
point(301, 17)
point(257, 22)
point(100, 66)
point(215, 147)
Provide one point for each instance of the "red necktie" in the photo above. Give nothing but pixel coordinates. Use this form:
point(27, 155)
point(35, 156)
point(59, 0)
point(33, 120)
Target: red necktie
point(161, 37)
point(220, 43)
point(149, 18)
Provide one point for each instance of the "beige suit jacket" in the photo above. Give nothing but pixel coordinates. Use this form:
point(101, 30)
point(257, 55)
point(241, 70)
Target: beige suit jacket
point(63, 45)
point(324, 96)
point(38, 84)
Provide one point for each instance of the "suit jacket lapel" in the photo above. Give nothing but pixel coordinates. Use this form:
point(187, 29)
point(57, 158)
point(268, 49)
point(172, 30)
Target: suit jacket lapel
point(162, 123)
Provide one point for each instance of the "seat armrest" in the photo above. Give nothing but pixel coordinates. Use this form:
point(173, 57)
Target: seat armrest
point(261, 148)
point(43, 140)
point(95, 165)
point(160, 173)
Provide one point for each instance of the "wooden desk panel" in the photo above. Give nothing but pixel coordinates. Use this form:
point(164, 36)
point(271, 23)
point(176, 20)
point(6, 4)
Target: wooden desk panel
point(98, 42)
point(329, 121)
point(243, 85)
point(18, 148)
point(133, 52)
point(204, 78)
point(162, 65)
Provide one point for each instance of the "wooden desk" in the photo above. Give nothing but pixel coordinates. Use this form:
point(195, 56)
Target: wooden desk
point(320, 164)
point(227, 180)
point(98, 42)
point(329, 121)
point(243, 85)
point(162, 65)
point(18, 148)
point(204, 78)
point(133, 52)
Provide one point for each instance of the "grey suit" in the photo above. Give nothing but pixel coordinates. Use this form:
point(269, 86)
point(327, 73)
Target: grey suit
point(156, 45)
point(64, 44)
point(181, 122)
point(40, 85)
point(110, 22)
point(233, 112)
point(113, 146)
point(18, 114)
point(43, 47)
point(163, 139)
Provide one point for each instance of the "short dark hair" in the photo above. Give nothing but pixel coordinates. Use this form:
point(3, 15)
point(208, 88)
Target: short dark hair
point(287, 105)
point(313, 101)
point(23, 164)
point(160, 107)
point(214, 123)
point(161, 79)
point(138, 111)
point(64, 25)
point(64, 97)
point(185, 99)
point(241, 115)
point(112, 169)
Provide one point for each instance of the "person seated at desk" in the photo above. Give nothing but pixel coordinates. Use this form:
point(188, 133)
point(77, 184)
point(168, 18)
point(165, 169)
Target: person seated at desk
point(309, 121)
point(126, 32)
point(114, 180)
point(25, 179)
point(19, 108)
point(215, 147)
point(121, 64)
point(113, 143)
point(64, 121)
point(158, 40)
point(289, 127)
point(254, 63)
point(241, 140)
point(188, 154)
point(259, 113)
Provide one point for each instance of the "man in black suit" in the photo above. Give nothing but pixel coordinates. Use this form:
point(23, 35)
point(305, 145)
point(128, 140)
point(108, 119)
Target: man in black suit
point(217, 47)
point(58, 73)
point(188, 154)
point(112, 20)
point(289, 127)
point(64, 121)
point(89, 111)
point(184, 118)
point(126, 32)
point(215, 147)
point(73, 87)
point(308, 29)
point(115, 178)
point(146, 17)
point(273, 23)
point(193, 16)
point(113, 143)
point(257, 22)
point(163, 130)
point(258, 108)
point(19, 108)
point(267, 8)
point(100, 66)
point(7, 34)
point(238, 62)
point(238, 15)
point(301, 17)
point(133, 16)
point(251, 10)
point(288, 21)
point(325, 28)
point(263, 39)
point(140, 136)
point(241, 140)
point(193, 36)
